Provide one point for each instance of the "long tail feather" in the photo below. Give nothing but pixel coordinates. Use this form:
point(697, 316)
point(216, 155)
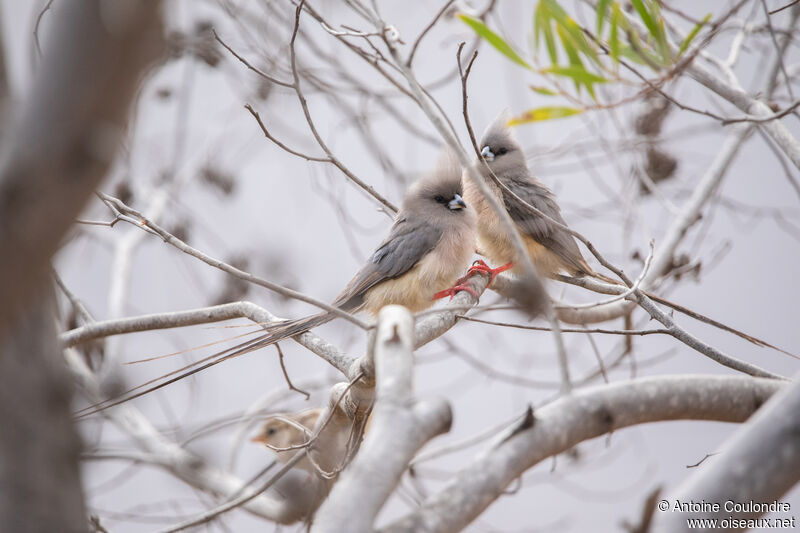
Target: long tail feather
point(276, 334)
point(698, 316)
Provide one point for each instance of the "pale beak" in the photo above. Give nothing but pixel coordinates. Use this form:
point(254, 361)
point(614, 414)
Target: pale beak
point(456, 203)
point(487, 153)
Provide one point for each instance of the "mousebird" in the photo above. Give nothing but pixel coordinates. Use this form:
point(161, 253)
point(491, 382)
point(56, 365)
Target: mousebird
point(552, 249)
point(429, 245)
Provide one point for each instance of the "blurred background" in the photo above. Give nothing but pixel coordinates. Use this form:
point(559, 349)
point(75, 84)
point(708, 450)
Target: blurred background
point(197, 162)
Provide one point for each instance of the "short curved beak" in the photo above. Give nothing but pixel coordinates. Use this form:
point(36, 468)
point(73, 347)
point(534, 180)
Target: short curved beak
point(487, 153)
point(456, 203)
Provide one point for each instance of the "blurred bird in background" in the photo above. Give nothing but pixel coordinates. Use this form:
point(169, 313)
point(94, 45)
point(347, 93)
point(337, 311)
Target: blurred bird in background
point(287, 430)
point(293, 430)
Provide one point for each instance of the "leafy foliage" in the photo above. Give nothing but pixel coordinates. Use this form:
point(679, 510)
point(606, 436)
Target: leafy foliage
point(586, 59)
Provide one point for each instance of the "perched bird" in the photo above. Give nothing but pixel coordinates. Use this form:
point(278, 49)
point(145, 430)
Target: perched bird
point(301, 490)
point(551, 248)
point(286, 431)
point(429, 245)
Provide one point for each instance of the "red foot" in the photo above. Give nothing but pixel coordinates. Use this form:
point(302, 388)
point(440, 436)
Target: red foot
point(482, 267)
point(454, 289)
point(478, 267)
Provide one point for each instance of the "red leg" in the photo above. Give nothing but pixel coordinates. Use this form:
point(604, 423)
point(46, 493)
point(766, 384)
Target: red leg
point(478, 267)
point(482, 267)
point(454, 289)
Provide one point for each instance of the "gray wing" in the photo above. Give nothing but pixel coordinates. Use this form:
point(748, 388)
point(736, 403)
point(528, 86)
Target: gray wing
point(534, 226)
point(408, 242)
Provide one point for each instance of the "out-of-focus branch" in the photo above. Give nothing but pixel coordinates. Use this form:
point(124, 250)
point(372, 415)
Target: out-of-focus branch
point(433, 326)
point(5, 83)
point(205, 315)
point(172, 457)
point(39, 447)
point(738, 97)
point(54, 151)
point(74, 113)
point(507, 285)
point(146, 224)
point(424, 32)
point(730, 89)
point(760, 463)
point(248, 65)
point(399, 428)
point(690, 212)
point(583, 415)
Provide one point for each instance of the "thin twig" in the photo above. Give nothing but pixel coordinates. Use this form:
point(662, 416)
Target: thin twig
point(167, 237)
point(304, 105)
point(47, 6)
point(286, 374)
point(639, 332)
point(248, 65)
point(778, 50)
point(272, 138)
point(790, 4)
point(422, 35)
point(513, 232)
point(236, 502)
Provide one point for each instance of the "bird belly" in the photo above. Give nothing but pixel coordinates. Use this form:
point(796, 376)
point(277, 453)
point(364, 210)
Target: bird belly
point(494, 243)
point(436, 271)
point(546, 262)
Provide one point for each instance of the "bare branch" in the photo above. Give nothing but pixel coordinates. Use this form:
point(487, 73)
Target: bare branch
point(759, 463)
point(225, 267)
point(399, 428)
point(248, 65)
point(173, 458)
point(428, 28)
point(304, 105)
point(572, 419)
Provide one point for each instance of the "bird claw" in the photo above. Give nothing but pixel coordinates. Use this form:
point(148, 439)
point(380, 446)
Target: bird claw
point(481, 267)
point(478, 266)
point(451, 292)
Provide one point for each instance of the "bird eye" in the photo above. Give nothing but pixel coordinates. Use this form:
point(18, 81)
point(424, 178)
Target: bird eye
point(271, 431)
point(502, 151)
point(440, 199)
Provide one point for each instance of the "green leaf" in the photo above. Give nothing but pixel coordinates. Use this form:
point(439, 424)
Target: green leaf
point(577, 73)
point(646, 17)
point(692, 34)
point(538, 23)
point(569, 47)
point(492, 38)
point(655, 25)
point(556, 11)
point(602, 11)
point(544, 91)
point(544, 113)
point(650, 59)
point(570, 28)
point(661, 35)
point(628, 52)
point(572, 53)
point(613, 40)
point(550, 41)
point(580, 41)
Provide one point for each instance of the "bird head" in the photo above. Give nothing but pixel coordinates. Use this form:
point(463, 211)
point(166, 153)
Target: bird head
point(285, 430)
point(500, 149)
point(439, 192)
